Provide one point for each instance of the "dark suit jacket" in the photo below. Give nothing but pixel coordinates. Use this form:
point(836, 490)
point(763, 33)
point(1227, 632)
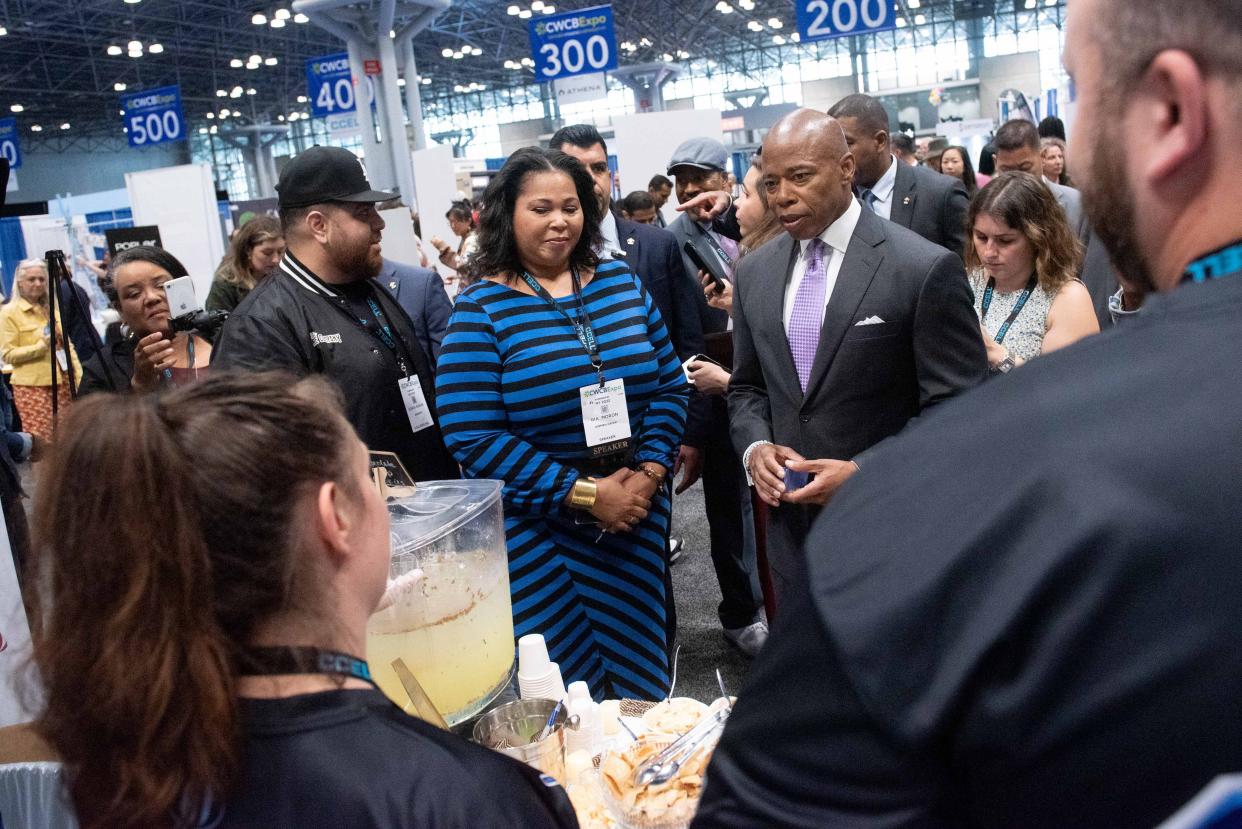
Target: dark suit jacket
point(713, 320)
point(420, 292)
point(653, 254)
point(932, 205)
point(868, 381)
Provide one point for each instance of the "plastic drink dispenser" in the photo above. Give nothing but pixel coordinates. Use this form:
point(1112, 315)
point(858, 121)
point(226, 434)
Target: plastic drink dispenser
point(446, 611)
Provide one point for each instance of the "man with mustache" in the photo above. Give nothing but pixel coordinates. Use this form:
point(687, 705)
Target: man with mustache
point(324, 313)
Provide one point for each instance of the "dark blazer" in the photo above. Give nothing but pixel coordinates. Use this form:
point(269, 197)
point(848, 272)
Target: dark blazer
point(109, 370)
point(713, 320)
point(420, 292)
point(932, 205)
point(655, 256)
point(868, 381)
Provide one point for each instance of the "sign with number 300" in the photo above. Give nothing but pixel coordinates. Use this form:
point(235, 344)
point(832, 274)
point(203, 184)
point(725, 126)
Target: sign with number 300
point(820, 19)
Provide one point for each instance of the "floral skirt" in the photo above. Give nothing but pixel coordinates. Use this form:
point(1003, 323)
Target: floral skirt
point(34, 404)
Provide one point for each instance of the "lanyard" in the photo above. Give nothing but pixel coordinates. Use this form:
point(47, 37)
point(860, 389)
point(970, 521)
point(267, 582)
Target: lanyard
point(302, 660)
point(1017, 308)
point(189, 353)
point(1224, 261)
point(582, 327)
point(377, 326)
point(725, 258)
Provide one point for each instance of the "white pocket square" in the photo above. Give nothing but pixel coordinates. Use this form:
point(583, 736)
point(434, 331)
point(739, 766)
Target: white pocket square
point(870, 321)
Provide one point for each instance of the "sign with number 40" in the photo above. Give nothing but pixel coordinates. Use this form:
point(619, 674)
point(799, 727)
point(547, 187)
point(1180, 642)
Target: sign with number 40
point(821, 19)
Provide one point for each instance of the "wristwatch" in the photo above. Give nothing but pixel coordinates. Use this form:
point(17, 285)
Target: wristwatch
point(1005, 365)
point(583, 494)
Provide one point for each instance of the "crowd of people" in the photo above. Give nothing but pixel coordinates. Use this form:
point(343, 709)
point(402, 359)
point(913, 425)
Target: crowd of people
point(998, 588)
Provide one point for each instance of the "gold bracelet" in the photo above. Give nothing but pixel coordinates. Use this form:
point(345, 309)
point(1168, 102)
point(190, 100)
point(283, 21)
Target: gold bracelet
point(583, 494)
point(659, 479)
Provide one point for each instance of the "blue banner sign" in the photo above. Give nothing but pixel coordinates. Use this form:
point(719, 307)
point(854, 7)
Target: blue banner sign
point(153, 116)
point(10, 147)
point(573, 43)
point(329, 85)
point(821, 19)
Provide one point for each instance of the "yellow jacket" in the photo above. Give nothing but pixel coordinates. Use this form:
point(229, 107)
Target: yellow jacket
point(21, 343)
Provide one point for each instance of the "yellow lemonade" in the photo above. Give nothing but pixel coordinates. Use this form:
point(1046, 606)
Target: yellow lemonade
point(453, 627)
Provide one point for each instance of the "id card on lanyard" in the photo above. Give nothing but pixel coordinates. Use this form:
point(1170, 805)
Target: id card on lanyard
point(605, 414)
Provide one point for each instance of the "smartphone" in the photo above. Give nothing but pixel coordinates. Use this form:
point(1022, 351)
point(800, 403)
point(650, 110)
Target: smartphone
point(181, 299)
point(706, 262)
point(796, 480)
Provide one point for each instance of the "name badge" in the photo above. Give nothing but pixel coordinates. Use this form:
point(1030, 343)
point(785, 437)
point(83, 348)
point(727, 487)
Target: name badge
point(605, 416)
point(416, 408)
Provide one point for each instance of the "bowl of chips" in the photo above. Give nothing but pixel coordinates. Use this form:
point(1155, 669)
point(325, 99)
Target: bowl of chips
point(675, 716)
point(669, 805)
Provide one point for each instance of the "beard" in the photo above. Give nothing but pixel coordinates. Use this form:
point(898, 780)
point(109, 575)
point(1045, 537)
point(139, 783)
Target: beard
point(1109, 201)
point(357, 260)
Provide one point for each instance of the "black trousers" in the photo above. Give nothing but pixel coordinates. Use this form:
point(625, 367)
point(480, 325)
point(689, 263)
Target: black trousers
point(725, 496)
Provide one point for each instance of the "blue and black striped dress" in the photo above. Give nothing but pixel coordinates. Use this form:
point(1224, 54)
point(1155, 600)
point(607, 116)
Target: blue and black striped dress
point(507, 388)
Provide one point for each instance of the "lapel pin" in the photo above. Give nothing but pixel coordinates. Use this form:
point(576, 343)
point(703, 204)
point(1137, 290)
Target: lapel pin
point(906, 200)
point(392, 286)
point(630, 241)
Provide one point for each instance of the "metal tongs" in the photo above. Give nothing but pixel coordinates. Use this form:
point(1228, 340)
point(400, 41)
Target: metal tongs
point(664, 766)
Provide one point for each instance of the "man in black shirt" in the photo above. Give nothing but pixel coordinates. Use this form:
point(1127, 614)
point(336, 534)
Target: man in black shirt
point(1024, 612)
point(323, 313)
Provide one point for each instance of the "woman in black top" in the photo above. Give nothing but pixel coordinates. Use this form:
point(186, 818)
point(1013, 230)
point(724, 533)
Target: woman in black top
point(150, 356)
point(201, 618)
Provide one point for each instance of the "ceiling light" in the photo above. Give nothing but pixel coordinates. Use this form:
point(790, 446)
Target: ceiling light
point(36, 128)
point(511, 65)
point(259, 19)
point(667, 57)
point(749, 5)
point(446, 52)
point(775, 22)
point(17, 108)
point(277, 23)
point(779, 40)
point(3, 32)
point(755, 26)
point(120, 112)
point(1050, 2)
point(255, 59)
point(537, 6)
point(919, 20)
point(135, 46)
point(202, 130)
point(512, 11)
point(300, 18)
point(301, 99)
point(118, 86)
point(251, 91)
point(400, 81)
point(282, 14)
point(133, 2)
point(115, 50)
point(1029, 4)
point(213, 129)
point(549, 9)
point(528, 62)
point(524, 14)
point(724, 8)
point(65, 126)
point(236, 63)
point(211, 115)
point(645, 42)
point(458, 55)
point(270, 61)
point(901, 23)
point(683, 54)
point(795, 37)
point(280, 117)
point(476, 50)
point(224, 113)
point(220, 93)
point(425, 81)
point(155, 48)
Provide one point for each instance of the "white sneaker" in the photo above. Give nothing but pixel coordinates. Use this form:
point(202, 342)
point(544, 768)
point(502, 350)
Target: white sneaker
point(750, 639)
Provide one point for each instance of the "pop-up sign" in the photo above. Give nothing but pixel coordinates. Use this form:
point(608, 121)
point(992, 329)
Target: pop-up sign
point(124, 238)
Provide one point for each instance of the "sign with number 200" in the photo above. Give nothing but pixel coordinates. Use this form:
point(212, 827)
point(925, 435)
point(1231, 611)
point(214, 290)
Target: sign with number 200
point(821, 19)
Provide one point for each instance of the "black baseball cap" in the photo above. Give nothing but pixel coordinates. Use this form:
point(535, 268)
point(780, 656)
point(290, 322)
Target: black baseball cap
point(325, 174)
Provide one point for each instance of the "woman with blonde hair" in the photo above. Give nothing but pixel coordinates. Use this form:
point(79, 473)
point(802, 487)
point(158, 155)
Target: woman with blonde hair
point(1053, 156)
point(28, 343)
point(1022, 259)
point(253, 255)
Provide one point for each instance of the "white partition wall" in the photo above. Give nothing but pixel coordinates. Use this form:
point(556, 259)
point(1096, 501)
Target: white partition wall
point(645, 142)
point(435, 187)
point(182, 202)
point(14, 638)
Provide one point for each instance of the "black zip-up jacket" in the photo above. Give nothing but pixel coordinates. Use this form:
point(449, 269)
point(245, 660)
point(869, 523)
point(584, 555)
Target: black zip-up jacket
point(296, 322)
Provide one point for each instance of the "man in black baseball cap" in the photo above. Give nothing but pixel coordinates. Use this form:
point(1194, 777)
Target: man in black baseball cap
point(323, 313)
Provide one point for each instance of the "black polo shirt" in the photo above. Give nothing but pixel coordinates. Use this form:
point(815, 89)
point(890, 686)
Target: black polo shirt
point(1024, 611)
point(297, 322)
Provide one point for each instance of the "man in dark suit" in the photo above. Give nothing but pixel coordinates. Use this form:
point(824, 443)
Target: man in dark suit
point(1018, 148)
point(420, 292)
point(1024, 613)
point(844, 330)
point(930, 204)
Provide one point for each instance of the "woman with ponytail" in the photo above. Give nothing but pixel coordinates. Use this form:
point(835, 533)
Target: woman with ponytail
point(199, 622)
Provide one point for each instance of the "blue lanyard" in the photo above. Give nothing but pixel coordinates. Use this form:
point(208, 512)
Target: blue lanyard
point(725, 258)
point(582, 326)
point(378, 328)
point(1225, 261)
point(302, 660)
point(1017, 308)
point(189, 349)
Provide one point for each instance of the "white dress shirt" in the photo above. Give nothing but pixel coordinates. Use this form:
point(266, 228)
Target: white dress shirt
point(836, 239)
point(882, 192)
point(612, 239)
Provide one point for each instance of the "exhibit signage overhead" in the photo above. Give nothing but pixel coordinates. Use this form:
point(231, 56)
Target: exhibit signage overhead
point(821, 19)
point(10, 147)
point(153, 116)
point(329, 85)
point(573, 43)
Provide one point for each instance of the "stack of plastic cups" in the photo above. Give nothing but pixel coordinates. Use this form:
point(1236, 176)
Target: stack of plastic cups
point(590, 731)
point(538, 676)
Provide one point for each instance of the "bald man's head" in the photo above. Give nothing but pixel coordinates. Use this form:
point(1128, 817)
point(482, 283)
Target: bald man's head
point(808, 172)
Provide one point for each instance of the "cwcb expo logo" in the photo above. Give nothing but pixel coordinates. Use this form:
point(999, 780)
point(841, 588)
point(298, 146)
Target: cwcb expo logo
point(156, 101)
point(331, 66)
point(569, 25)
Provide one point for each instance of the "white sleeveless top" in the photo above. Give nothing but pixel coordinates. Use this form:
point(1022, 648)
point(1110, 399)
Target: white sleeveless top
point(1025, 338)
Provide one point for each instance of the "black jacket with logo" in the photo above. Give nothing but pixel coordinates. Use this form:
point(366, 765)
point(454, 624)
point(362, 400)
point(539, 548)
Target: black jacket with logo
point(296, 322)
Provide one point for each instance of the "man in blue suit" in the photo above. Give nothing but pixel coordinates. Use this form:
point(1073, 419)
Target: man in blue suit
point(420, 292)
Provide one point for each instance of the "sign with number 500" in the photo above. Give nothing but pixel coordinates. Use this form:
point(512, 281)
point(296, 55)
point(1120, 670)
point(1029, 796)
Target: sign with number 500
point(153, 116)
point(820, 19)
point(573, 43)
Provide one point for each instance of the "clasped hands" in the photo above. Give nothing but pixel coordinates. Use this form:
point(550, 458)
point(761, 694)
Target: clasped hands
point(767, 469)
point(622, 500)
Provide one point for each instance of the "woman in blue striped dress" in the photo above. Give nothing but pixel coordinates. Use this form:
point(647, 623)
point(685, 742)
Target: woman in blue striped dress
point(557, 377)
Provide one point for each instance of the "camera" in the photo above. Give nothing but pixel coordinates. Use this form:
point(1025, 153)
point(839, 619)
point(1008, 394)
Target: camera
point(187, 314)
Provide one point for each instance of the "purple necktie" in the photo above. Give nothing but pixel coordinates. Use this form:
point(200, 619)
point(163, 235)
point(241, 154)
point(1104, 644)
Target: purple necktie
point(808, 312)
